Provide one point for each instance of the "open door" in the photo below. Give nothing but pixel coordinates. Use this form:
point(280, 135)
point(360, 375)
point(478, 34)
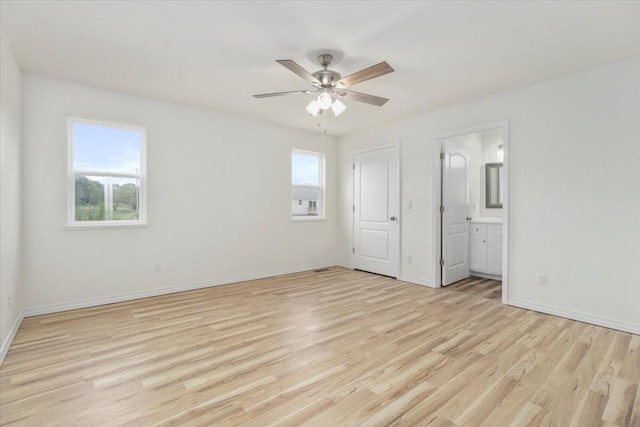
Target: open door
point(460, 162)
point(454, 210)
point(376, 195)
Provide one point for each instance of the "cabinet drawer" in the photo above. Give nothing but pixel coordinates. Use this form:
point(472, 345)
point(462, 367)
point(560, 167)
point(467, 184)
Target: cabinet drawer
point(478, 229)
point(495, 230)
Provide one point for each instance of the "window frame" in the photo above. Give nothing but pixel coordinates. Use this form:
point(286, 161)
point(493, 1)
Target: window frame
point(72, 224)
point(322, 179)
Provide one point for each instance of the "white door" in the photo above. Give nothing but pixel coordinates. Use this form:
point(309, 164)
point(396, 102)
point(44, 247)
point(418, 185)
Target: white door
point(455, 198)
point(376, 228)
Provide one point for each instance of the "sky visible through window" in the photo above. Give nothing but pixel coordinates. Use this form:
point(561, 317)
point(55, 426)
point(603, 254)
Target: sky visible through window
point(102, 148)
point(305, 169)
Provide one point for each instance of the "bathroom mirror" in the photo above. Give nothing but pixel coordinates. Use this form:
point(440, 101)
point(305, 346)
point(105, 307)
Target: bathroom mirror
point(494, 185)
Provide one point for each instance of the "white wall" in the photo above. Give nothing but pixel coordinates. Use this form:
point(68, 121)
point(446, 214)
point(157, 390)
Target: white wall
point(10, 195)
point(219, 201)
point(476, 198)
point(574, 190)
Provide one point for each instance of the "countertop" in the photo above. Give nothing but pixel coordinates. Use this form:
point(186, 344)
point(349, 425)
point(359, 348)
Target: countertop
point(488, 220)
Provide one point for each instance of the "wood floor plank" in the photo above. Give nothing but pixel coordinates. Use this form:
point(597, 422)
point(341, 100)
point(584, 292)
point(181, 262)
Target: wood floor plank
point(334, 347)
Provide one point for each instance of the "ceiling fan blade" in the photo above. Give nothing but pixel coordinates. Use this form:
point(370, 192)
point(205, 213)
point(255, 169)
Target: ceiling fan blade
point(363, 75)
point(362, 97)
point(298, 70)
point(291, 92)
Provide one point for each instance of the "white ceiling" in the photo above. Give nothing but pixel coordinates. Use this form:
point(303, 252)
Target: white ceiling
point(217, 54)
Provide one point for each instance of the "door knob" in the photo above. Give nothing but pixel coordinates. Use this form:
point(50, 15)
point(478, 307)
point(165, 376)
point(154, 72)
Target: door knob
point(469, 218)
point(393, 218)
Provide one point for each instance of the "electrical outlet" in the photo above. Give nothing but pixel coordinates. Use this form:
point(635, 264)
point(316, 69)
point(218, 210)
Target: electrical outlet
point(409, 204)
point(157, 267)
point(409, 259)
point(10, 301)
point(542, 280)
point(330, 249)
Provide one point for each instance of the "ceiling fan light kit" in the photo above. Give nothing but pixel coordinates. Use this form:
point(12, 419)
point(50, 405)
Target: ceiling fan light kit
point(338, 107)
point(330, 85)
point(324, 101)
point(313, 108)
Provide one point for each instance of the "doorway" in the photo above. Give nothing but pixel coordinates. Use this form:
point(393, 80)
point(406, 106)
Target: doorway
point(376, 208)
point(471, 205)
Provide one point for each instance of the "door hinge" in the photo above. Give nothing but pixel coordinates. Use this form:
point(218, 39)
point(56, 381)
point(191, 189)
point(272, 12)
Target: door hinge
point(441, 209)
point(353, 250)
point(354, 208)
point(441, 262)
point(354, 166)
point(441, 156)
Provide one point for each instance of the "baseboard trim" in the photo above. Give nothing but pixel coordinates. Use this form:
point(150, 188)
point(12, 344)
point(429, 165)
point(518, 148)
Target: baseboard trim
point(416, 281)
point(344, 265)
point(12, 334)
point(487, 276)
point(93, 302)
point(576, 315)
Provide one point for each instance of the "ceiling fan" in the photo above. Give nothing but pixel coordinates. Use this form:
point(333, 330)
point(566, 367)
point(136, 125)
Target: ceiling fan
point(331, 86)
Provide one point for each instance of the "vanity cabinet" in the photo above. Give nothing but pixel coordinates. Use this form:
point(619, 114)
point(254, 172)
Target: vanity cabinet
point(485, 248)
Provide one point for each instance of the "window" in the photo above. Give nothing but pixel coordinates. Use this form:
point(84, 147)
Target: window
point(106, 174)
point(307, 185)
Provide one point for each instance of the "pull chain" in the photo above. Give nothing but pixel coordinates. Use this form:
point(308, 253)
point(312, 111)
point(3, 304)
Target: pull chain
point(325, 122)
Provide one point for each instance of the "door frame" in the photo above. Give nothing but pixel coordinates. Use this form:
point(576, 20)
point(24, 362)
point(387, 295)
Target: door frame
point(437, 195)
point(399, 214)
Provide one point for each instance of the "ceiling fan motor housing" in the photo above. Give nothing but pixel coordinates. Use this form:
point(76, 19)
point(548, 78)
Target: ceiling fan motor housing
point(327, 77)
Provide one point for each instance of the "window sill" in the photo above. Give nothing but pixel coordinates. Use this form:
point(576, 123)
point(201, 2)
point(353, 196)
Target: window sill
point(307, 219)
point(105, 226)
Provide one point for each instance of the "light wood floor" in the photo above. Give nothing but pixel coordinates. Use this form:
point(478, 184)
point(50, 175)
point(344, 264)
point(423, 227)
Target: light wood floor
point(333, 348)
point(485, 288)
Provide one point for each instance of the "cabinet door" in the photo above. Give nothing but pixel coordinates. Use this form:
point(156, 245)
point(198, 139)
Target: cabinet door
point(495, 255)
point(478, 253)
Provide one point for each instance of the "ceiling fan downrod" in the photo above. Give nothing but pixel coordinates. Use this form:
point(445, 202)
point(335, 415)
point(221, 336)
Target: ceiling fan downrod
point(325, 60)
